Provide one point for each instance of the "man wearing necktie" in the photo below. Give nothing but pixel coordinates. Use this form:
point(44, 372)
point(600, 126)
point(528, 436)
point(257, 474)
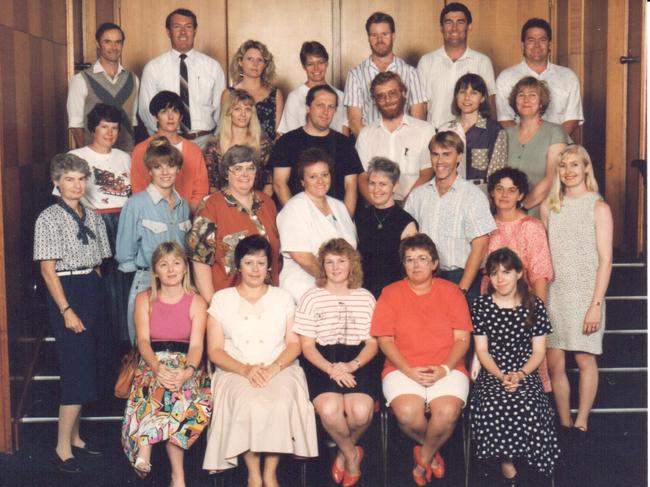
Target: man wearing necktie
point(196, 77)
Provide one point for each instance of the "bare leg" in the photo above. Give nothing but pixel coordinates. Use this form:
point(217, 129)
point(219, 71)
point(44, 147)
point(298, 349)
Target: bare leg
point(331, 409)
point(176, 455)
point(68, 416)
point(269, 477)
point(358, 414)
point(409, 412)
point(75, 438)
point(252, 461)
point(560, 382)
point(508, 469)
point(445, 411)
point(588, 386)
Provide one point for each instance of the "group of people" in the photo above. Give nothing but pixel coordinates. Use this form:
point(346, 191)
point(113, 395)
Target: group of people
point(300, 256)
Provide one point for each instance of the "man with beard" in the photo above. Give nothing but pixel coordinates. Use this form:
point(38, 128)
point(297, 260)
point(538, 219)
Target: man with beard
point(360, 105)
point(566, 105)
point(439, 70)
point(397, 136)
point(106, 82)
point(322, 102)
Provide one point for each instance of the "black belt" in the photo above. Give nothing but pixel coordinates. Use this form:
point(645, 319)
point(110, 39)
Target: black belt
point(477, 182)
point(196, 135)
point(181, 347)
point(142, 268)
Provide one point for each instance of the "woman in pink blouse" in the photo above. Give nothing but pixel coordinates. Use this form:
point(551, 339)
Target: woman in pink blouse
point(523, 234)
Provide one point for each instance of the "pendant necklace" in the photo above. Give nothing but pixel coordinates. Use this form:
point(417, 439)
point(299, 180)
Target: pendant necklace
point(380, 222)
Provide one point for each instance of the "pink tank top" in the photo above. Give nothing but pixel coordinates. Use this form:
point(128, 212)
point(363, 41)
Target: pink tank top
point(171, 322)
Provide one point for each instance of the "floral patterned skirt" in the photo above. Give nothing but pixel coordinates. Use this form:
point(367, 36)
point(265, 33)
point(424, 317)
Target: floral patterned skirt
point(154, 413)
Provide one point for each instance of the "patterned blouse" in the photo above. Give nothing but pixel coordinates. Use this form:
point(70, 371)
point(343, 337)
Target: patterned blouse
point(220, 223)
point(213, 154)
point(266, 109)
point(55, 238)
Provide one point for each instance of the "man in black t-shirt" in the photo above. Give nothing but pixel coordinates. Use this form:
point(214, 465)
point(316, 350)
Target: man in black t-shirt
point(321, 106)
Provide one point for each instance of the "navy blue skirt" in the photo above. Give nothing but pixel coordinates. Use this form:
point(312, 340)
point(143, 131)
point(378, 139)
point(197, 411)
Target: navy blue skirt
point(78, 352)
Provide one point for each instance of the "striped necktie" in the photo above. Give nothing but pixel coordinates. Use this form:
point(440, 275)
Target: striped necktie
point(186, 122)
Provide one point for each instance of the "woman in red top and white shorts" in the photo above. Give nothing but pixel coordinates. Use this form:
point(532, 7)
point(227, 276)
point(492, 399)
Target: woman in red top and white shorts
point(423, 327)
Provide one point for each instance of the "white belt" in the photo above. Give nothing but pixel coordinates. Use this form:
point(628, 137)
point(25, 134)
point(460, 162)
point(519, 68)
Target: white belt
point(77, 272)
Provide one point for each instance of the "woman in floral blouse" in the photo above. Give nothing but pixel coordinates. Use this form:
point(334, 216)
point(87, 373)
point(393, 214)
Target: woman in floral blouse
point(225, 218)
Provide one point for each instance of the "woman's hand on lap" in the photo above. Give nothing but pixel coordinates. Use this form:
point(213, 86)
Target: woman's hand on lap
point(346, 380)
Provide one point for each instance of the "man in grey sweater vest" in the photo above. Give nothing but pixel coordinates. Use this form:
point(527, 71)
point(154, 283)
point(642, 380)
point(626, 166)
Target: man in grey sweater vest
point(107, 82)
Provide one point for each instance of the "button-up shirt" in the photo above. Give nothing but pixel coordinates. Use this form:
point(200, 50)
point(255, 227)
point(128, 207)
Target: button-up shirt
point(439, 74)
point(147, 221)
point(357, 87)
point(452, 220)
point(206, 82)
point(563, 83)
point(407, 145)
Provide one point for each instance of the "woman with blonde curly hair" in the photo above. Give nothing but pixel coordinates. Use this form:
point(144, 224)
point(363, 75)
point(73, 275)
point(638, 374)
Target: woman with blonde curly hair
point(333, 321)
point(252, 69)
point(238, 125)
point(580, 232)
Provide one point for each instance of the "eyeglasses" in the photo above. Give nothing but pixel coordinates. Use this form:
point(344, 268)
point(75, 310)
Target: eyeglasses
point(239, 170)
point(389, 95)
point(422, 259)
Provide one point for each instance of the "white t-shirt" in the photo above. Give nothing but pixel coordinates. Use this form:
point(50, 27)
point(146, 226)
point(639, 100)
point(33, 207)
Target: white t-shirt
point(109, 185)
point(303, 228)
point(295, 107)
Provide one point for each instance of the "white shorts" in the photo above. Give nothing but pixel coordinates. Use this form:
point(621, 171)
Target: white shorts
point(455, 384)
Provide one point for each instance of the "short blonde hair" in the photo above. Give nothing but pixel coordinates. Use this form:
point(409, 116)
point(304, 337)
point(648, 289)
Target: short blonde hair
point(556, 195)
point(235, 71)
point(340, 246)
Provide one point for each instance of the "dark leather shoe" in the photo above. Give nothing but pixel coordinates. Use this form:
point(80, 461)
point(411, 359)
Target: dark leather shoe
point(66, 466)
point(88, 449)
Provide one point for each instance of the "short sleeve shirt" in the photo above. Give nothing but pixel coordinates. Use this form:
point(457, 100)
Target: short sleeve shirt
point(422, 326)
point(55, 238)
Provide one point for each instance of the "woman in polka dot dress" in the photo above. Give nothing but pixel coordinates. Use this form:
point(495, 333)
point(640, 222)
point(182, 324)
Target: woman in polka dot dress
point(512, 419)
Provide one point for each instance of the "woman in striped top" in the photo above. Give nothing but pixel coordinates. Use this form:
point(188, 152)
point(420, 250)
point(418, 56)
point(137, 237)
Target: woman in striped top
point(333, 321)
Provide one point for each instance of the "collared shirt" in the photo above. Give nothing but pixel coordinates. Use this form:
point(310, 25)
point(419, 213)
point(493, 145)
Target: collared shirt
point(357, 87)
point(563, 83)
point(407, 145)
point(295, 111)
point(452, 220)
point(147, 221)
point(55, 238)
point(439, 74)
point(206, 83)
point(78, 91)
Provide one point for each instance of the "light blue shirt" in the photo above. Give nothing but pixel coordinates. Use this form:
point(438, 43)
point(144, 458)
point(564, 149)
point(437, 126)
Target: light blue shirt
point(452, 220)
point(146, 221)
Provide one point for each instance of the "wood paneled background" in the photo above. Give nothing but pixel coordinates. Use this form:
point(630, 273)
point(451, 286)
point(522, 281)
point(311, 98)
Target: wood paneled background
point(33, 81)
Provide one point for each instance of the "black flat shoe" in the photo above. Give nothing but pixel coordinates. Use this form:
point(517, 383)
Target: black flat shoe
point(88, 450)
point(66, 466)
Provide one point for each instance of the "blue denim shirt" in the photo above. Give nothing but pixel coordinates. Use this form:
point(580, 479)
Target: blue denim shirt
point(146, 221)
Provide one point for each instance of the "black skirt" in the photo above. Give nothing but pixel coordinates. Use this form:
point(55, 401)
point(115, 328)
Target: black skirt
point(319, 382)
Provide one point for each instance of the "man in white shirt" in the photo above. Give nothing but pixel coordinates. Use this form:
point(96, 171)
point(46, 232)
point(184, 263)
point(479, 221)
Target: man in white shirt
point(106, 82)
point(566, 104)
point(439, 70)
point(455, 214)
point(396, 136)
point(360, 105)
point(196, 77)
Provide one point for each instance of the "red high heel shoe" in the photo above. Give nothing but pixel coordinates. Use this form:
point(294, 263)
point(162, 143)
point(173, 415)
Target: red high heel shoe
point(351, 480)
point(337, 473)
point(422, 479)
point(439, 471)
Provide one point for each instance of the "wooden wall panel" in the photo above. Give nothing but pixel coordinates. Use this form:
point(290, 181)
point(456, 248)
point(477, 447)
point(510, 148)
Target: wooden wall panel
point(143, 23)
point(280, 25)
point(33, 83)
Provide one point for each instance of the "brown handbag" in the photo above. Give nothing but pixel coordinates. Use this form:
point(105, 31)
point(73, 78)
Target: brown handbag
point(127, 373)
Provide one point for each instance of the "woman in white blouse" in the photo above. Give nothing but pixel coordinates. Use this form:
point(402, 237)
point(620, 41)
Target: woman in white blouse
point(308, 220)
